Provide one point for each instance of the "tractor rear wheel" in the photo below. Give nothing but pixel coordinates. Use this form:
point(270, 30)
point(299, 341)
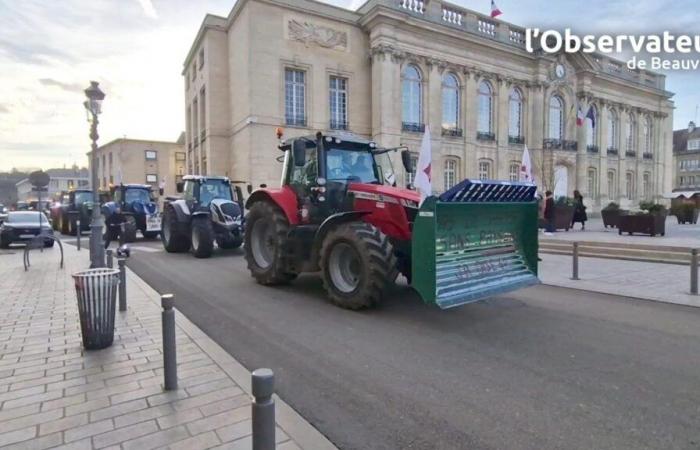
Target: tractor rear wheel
point(130, 229)
point(266, 232)
point(357, 265)
point(202, 237)
point(172, 236)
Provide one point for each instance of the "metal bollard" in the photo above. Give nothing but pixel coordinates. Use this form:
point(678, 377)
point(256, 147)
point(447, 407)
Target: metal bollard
point(574, 275)
point(122, 283)
point(263, 383)
point(167, 301)
point(77, 234)
point(110, 258)
point(694, 271)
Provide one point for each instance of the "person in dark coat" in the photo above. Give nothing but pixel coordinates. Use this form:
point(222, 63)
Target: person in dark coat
point(549, 212)
point(579, 211)
point(113, 226)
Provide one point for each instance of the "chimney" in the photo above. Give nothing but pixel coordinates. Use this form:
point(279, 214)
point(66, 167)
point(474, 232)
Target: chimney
point(691, 127)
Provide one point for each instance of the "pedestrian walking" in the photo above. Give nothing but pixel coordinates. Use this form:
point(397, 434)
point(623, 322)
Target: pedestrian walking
point(114, 225)
point(549, 213)
point(579, 211)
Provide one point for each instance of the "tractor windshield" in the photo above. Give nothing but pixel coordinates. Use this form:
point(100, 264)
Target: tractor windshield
point(137, 195)
point(83, 197)
point(358, 166)
point(214, 189)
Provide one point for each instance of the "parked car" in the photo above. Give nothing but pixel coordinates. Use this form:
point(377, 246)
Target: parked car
point(3, 213)
point(23, 226)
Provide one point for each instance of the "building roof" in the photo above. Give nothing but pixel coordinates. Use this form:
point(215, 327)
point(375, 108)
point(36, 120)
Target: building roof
point(68, 173)
point(681, 138)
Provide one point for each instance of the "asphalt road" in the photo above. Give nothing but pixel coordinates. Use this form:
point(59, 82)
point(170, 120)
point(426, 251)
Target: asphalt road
point(542, 368)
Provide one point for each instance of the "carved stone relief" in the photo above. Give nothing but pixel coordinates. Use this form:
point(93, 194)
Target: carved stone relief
point(311, 34)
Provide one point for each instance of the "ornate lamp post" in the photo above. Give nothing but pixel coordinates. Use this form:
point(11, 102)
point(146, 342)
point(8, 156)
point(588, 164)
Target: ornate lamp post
point(93, 106)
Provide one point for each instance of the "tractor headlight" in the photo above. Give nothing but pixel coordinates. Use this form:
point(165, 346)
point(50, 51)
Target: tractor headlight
point(321, 198)
point(321, 181)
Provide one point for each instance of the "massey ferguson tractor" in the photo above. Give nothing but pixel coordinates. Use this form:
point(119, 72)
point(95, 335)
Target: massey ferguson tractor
point(339, 212)
point(208, 211)
point(139, 209)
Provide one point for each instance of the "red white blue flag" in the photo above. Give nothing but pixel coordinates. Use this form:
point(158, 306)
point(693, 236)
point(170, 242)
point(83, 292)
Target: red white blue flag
point(495, 12)
point(591, 115)
point(579, 117)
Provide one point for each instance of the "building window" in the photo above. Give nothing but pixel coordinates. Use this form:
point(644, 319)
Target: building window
point(629, 185)
point(631, 131)
point(556, 118)
point(612, 184)
point(151, 178)
point(592, 131)
point(592, 182)
point(485, 108)
point(202, 114)
point(450, 102)
point(450, 173)
point(694, 144)
point(515, 119)
point(514, 171)
point(295, 97)
point(646, 185)
point(339, 103)
point(411, 96)
point(201, 58)
point(647, 135)
point(485, 169)
point(613, 128)
point(180, 156)
point(151, 155)
point(410, 176)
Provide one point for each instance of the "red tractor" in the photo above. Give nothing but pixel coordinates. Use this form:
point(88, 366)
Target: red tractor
point(340, 212)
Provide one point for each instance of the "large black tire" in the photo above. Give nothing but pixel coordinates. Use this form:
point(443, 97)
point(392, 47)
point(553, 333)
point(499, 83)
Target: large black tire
point(202, 237)
point(357, 265)
point(229, 242)
point(266, 233)
point(130, 229)
point(4, 243)
point(173, 235)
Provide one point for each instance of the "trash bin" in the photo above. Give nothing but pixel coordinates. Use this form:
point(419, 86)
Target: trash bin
point(97, 298)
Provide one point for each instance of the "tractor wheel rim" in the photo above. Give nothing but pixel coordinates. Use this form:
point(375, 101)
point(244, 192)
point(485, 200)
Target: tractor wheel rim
point(195, 239)
point(262, 243)
point(166, 231)
point(344, 268)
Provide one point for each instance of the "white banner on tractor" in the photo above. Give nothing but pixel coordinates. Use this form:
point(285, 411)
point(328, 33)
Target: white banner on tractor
point(423, 178)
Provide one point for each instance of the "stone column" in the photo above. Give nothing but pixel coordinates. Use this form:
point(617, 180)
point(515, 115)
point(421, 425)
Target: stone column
point(470, 110)
point(534, 133)
point(622, 148)
point(501, 103)
point(386, 102)
point(581, 156)
point(433, 118)
point(602, 124)
point(659, 154)
point(640, 166)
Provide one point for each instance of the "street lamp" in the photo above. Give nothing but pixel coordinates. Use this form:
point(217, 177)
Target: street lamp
point(93, 106)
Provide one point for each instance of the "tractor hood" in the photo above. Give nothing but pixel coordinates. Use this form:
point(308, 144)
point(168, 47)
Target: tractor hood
point(405, 196)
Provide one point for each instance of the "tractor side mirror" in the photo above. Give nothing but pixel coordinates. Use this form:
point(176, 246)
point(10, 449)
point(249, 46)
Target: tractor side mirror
point(406, 160)
point(299, 152)
point(249, 188)
point(179, 187)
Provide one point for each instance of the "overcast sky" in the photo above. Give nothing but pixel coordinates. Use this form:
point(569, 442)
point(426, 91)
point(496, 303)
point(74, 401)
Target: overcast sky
point(49, 50)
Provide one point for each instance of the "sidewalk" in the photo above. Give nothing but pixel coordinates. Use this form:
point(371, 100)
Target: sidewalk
point(667, 283)
point(54, 394)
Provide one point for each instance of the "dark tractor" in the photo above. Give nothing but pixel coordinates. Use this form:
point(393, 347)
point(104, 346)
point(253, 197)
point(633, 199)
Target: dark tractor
point(139, 209)
point(75, 206)
point(209, 209)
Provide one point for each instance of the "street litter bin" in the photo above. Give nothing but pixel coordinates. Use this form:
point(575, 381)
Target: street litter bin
point(97, 298)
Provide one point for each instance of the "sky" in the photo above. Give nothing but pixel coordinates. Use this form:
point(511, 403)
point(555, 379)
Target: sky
point(50, 50)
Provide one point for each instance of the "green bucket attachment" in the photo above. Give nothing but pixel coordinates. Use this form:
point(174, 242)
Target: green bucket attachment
point(476, 240)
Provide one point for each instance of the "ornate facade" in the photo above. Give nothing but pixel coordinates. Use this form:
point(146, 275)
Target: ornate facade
point(394, 67)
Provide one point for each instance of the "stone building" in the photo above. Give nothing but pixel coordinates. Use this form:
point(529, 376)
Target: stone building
point(60, 180)
point(393, 67)
point(686, 156)
point(141, 162)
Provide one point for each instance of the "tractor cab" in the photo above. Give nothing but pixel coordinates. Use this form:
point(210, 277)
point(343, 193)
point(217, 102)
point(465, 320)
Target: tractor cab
point(138, 205)
point(199, 191)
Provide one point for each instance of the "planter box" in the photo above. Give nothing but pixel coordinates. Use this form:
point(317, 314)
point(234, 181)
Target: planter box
point(563, 215)
point(611, 217)
point(651, 224)
point(686, 215)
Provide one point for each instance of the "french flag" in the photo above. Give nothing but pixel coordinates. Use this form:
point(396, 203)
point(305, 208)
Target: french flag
point(591, 115)
point(579, 117)
point(495, 12)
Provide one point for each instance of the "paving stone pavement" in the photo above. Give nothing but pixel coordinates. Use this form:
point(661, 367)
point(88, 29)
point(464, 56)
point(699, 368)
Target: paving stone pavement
point(53, 394)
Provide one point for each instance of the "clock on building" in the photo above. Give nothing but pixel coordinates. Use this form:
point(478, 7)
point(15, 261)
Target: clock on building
point(560, 71)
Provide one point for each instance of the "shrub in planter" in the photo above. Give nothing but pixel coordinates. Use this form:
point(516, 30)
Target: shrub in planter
point(685, 213)
point(611, 215)
point(651, 221)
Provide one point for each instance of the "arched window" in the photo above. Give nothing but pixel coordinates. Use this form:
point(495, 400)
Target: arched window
point(629, 185)
point(450, 173)
point(646, 187)
point(514, 171)
point(592, 129)
point(631, 131)
point(647, 135)
point(485, 108)
point(412, 102)
point(450, 102)
point(556, 118)
point(515, 120)
point(485, 169)
point(592, 182)
point(613, 130)
point(612, 185)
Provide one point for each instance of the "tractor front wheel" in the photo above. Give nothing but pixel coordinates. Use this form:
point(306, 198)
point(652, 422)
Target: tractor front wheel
point(266, 232)
point(357, 265)
point(202, 237)
point(171, 235)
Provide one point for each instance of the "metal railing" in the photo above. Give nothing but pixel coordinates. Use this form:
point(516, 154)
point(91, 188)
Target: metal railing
point(484, 136)
point(296, 121)
point(516, 140)
point(648, 155)
point(338, 125)
point(452, 132)
point(558, 144)
point(592, 149)
point(630, 153)
point(413, 127)
point(612, 151)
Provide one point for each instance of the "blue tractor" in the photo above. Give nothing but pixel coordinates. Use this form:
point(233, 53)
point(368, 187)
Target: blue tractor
point(139, 209)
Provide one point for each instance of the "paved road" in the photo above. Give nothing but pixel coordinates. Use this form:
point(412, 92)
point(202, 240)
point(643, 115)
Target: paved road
point(543, 368)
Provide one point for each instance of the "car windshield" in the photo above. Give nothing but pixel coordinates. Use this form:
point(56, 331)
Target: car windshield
point(214, 189)
point(26, 217)
point(83, 197)
point(137, 195)
point(358, 166)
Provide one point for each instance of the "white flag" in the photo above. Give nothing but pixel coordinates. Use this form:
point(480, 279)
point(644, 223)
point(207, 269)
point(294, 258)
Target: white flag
point(162, 183)
point(526, 167)
point(423, 178)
